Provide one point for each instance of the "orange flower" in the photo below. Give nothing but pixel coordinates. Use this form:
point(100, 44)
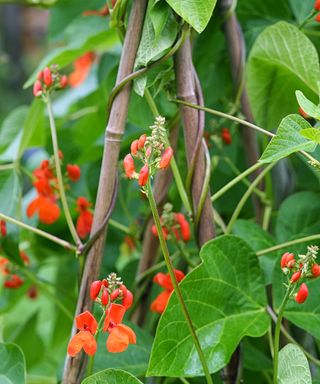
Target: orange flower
point(82, 67)
point(164, 280)
point(87, 326)
point(48, 210)
point(85, 219)
point(4, 271)
point(120, 335)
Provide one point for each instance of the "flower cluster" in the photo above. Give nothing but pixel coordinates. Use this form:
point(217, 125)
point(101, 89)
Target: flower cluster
point(12, 280)
point(46, 185)
point(174, 225)
point(114, 299)
point(304, 267)
point(48, 81)
point(164, 280)
point(152, 151)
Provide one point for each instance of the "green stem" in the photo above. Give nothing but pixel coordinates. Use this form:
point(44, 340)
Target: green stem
point(177, 290)
point(246, 196)
point(277, 336)
point(119, 226)
point(59, 174)
point(238, 120)
point(6, 167)
point(288, 244)
point(291, 339)
point(55, 239)
point(174, 168)
point(47, 292)
point(234, 181)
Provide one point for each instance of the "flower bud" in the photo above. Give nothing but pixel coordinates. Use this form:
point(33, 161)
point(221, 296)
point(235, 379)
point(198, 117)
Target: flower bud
point(315, 270)
point(286, 258)
point(148, 151)
point(33, 292)
point(166, 158)
point(105, 283)
point(128, 165)
point(104, 297)
point(141, 141)
point(63, 81)
point(184, 226)
point(37, 88)
point(226, 136)
point(317, 5)
point(40, 76)
point(143, 175)
point(123, 289)
point(295, 277)
point(114, 295)
point(47, 77)
point(95, 289)
point(74, 172)
point(134, 147)
point(302, 294)
point(3, 228)
point(127, 300)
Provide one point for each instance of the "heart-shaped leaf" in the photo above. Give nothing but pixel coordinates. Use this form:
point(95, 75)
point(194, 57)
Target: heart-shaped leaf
point(226, 300)
point(293, 366)
point(12, 367)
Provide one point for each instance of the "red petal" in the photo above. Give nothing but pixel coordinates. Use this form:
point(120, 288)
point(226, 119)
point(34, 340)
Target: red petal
point(86, 321)
point(114, 314)
point(163, 280)
point(160, 303)
point(119, 339)
point(84, 224)
point(49, 212)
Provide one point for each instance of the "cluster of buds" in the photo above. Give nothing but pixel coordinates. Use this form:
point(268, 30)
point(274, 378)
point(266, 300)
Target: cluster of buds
point(305, 267)
point(12, 280)
point(48, 81)
point(317, 8)
point(152, 151)
point(174, 225)
point(114, 299)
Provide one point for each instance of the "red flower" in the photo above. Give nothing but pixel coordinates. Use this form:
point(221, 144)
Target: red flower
point(134, 147)
point(166, 158)
point(74, 172)
point(184, 227)
point(120, 335)
point(287, 260)
point(85, 219)
point(317, 18)
point(13, 281)
point(3, 228)
point(47, 77)
point(164, 280)
point(302, 294)
point(128, 165)
point(143, 175)
point(317, 5)
point(48, 210)
point(315, 270)
point(82, 67)
point(63, 81)
point(88, 326)
point(226, 136)
point(142, 141)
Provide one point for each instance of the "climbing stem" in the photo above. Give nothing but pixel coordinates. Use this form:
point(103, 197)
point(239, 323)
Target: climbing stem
point(59, 174)
point(177, 290)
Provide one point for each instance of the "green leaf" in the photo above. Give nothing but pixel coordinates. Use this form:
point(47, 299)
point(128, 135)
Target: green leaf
point(308, 106)
point(111, 376)
point(10, 130)
point(134, 359)
point(226, 300)
point(10, 192)
point(83, 35)
point(195, 12)
point(312, 134)
point(293, 366)
point(282, 60)
point(12, 367)
point(33, 127)
point(288, 140)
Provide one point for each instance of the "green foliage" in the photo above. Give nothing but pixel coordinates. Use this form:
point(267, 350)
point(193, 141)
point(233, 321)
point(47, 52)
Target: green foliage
point(308, 106)
point(288, 140)
point(293, 366)
point(281, 61)
point(12, 367)
point(195, 12)
point(111, 376)
point(226, 301)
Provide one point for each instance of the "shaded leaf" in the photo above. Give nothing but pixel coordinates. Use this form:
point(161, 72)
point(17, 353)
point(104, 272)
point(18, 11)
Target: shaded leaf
point(277, 66)
point(293, 366)
point(226, 300)
point(288, 140)
point(12, 367)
